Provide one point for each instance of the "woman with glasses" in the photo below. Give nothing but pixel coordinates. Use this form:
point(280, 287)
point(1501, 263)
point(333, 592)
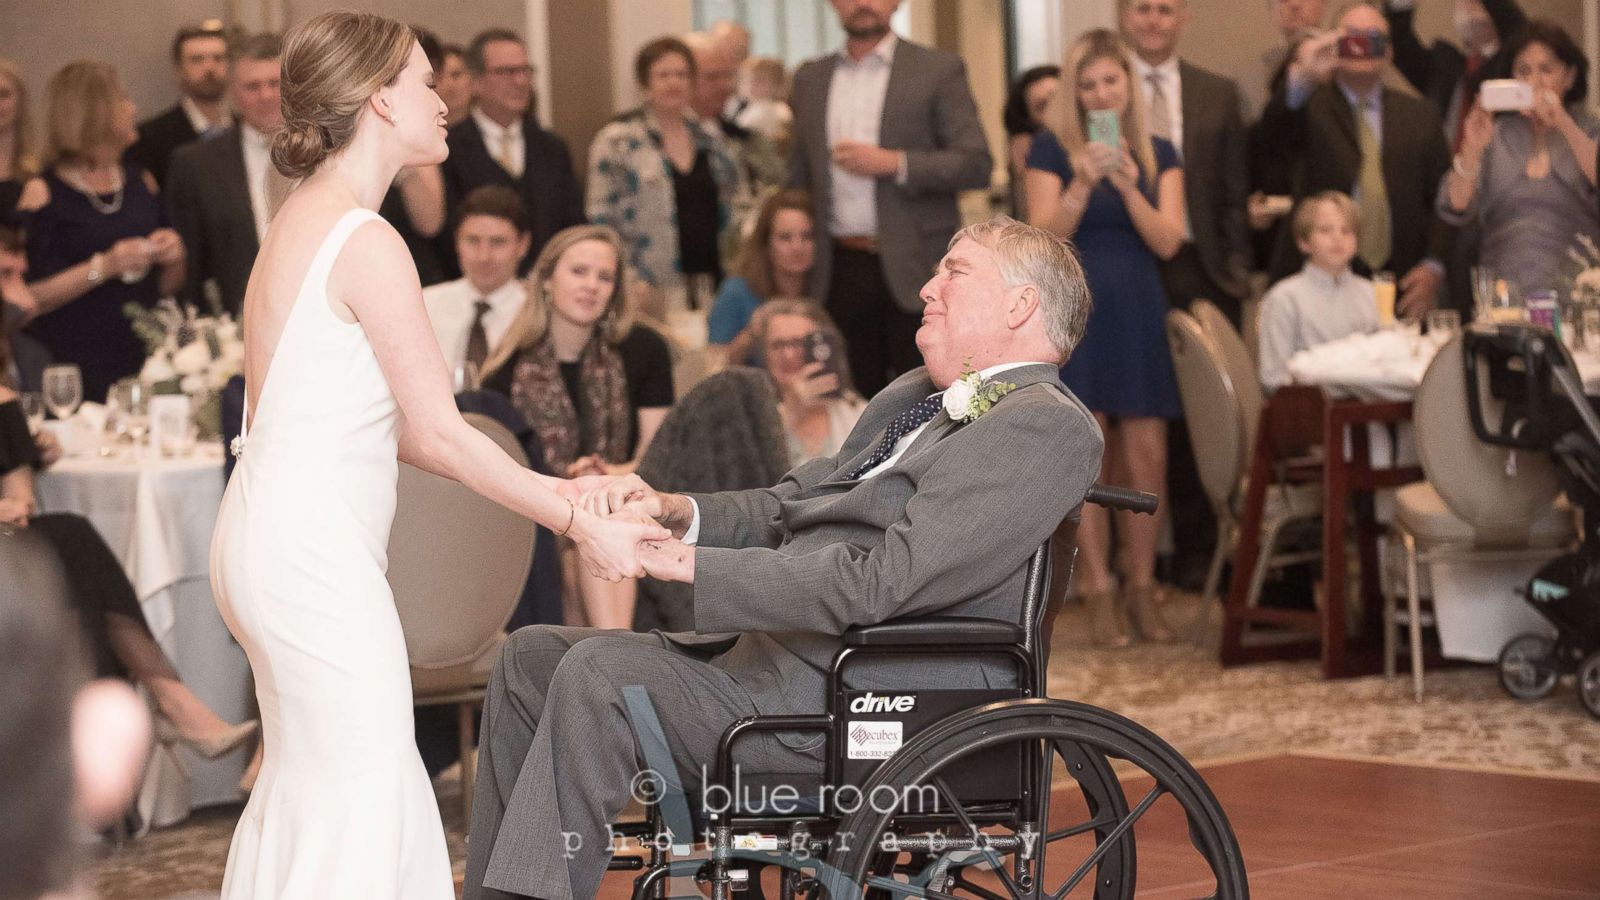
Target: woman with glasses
point(816, 399)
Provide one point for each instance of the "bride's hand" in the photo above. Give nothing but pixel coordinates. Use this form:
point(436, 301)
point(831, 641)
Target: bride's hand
point(622, 492)
point(610, 547)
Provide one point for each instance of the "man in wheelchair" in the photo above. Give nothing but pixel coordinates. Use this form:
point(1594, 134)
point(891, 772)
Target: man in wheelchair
point(954, 476)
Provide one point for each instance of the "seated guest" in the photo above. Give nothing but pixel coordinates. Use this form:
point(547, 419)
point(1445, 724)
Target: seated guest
point(1529, 178)
point(25, 357)
point(916, 515)
point(1325, 301)
point(200, 64)
point(471, 314)
point(774, 261)
point(816, 401)
point(593, 385)
point(18, 162)
point(217, 190)
point(98, 236)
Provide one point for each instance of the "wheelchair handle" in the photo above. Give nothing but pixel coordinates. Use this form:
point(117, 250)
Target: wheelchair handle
point(1112, 497)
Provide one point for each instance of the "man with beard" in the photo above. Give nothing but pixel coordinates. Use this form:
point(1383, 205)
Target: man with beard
point(886, 134)
point(200, 61)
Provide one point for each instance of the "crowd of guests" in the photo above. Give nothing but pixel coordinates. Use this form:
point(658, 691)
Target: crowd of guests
point(794, 220)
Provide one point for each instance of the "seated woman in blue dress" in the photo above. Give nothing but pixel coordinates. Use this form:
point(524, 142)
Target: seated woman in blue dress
point(774, 260)
point(1124, 210)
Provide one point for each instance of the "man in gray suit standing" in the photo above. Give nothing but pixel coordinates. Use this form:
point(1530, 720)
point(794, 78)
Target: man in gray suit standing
point(886, 133)
point(930, 507)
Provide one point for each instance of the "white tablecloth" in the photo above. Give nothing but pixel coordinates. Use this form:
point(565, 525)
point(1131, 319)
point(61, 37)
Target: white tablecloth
point(1388, 365)
point(157, 516)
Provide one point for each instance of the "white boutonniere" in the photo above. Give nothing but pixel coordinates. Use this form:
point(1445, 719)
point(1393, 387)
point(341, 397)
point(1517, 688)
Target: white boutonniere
point(970, 396)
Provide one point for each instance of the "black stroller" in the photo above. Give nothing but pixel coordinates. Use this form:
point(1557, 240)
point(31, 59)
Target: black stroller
point(1545, 411)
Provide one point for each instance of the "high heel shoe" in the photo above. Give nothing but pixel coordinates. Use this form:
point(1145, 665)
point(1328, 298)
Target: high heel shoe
point(1147, 614)
point(209, 747)
point(1106, 622)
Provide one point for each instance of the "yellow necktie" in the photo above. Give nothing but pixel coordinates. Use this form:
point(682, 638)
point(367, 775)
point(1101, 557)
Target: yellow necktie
point(506, 158)
point(1374, 244)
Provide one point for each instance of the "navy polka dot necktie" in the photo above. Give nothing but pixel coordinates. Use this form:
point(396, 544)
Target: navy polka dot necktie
point(899, 427)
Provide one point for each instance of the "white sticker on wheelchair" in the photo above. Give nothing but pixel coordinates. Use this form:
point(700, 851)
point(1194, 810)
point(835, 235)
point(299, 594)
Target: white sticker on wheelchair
point(873, 740)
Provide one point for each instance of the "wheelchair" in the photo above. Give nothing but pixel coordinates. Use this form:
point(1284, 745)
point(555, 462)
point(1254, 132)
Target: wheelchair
point(938, 793)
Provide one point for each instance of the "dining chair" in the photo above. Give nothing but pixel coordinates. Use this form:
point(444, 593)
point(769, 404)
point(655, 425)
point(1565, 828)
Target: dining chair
point(1478, 502)
point(457, 565)
point(1221, 406)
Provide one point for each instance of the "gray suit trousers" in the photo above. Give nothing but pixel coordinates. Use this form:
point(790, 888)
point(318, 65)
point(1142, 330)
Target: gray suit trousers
point(558, 754)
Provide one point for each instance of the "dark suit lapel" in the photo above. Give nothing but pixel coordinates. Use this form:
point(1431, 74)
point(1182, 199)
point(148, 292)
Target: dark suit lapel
point(1342, 113)
point(1193, 106)
point(234, 174)
point(900, 75)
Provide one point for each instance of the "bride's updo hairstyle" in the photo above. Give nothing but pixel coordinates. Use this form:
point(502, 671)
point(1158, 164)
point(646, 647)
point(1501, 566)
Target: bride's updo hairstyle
point(332, 64)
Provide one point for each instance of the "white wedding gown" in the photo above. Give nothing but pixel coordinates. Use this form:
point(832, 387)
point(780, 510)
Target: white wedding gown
point(343, 807)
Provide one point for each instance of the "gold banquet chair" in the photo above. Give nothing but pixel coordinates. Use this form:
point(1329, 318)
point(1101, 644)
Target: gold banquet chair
point(457, 565)
point(1473, 505)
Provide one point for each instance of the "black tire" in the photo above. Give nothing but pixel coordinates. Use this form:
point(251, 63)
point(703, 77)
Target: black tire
point(1061, 725)
point(1589, 683)
point(1528, 667)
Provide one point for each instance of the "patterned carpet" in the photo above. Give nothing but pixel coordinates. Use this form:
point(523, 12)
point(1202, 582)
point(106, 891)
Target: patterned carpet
point(1177, 690)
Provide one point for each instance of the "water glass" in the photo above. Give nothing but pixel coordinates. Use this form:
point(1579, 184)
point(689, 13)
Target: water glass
point(32, 409)
point(1443, 324)
point(171, 424)
point(63, 390)
point(132, 401)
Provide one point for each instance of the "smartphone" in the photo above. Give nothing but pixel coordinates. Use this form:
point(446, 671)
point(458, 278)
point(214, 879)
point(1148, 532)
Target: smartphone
point(1506, 95)
point(1363, 45)
point(1105, 127)
point(821, 348)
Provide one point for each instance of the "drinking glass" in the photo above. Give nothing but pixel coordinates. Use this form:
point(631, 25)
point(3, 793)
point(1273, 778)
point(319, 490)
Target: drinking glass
point(1383, 293)
point(135, 402)
point(1443, 324)
point(1505, 303)
point(33, 410)
point(63, 390)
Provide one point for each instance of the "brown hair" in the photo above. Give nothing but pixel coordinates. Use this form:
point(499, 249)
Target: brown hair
point(332, 65)
point(1066, 116)
point(754, 263)
point(533, 321)
point(81, 100)
point(1305, 214)
point(495, 200)
point(473, 56)
point(26, 162)
point(654, 50)
point(210, 28)
point(806, 309)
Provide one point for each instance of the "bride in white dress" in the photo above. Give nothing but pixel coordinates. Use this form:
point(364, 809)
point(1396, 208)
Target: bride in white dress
point(344, 377)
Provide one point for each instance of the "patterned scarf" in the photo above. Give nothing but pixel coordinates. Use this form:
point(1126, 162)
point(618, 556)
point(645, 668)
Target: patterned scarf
point(602, 422)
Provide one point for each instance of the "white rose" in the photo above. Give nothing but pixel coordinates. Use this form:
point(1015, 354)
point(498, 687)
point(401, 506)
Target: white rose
point(233, 352)
point(227, 332)
point(192, 384)
point(958, 399)
point(217, 377)
point(157, 368)
point(192, 358)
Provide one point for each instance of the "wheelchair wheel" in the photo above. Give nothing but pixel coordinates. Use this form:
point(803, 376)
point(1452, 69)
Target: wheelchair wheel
point(1054, 856)
point(1589, 683)
point(1527, 666)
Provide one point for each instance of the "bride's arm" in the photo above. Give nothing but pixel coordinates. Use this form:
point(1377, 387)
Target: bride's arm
point(375, 277)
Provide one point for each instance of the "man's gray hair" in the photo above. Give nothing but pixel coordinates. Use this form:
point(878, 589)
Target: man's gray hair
point(1029, 255)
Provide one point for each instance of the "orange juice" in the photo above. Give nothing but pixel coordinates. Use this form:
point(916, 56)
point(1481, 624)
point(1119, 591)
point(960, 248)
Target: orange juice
point(1383, 294)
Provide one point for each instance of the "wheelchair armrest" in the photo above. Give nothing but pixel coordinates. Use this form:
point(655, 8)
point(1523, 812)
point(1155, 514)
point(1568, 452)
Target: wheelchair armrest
point(934, 630)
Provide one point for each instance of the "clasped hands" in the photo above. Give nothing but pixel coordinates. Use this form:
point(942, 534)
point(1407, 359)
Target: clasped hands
point(624, 528)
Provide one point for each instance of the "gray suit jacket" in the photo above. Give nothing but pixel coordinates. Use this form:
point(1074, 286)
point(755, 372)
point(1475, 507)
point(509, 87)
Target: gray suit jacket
point(928, 112)
point(947, 529)
point(1217, 176)
point(208, 198)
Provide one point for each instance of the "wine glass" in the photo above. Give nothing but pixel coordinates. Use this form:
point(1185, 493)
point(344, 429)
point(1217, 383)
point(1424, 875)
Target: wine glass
point(33, 410)
point(133, 401)
point(63, 390)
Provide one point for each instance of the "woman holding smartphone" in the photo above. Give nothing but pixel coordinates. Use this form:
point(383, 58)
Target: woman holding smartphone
point(1097, 177)
point(804, 352)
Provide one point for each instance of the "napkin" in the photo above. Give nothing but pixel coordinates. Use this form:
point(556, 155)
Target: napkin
point(92, 415)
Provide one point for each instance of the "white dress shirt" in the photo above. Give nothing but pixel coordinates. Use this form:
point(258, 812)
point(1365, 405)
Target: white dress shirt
point(693, 533)
point(855, 113)
point(504, 143)
point(1171, 86)
point(257, 154)
point(453, 305)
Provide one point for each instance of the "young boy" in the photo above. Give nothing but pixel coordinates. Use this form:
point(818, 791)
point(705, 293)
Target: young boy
point(1325, 301)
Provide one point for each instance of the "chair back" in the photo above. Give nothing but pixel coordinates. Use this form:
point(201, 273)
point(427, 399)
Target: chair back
point(1212, 409)
point(1471, 476)
point(457, 561)
point(1240, 364)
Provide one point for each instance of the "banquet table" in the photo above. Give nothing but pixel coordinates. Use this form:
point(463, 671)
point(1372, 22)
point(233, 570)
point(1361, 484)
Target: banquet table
point(1370, 380)
point(157, 515)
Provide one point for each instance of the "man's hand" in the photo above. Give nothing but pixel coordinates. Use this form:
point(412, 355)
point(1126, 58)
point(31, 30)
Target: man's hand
point(866, 160)
point(1317, 57)
point(1419, 289)
point(668, 560)
point(166, 246)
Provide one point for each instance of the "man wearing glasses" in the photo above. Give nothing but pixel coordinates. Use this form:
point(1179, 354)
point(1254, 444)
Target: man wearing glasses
point(501, 143)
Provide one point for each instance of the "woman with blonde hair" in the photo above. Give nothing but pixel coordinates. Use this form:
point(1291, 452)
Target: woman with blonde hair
point(1117, 193)
point(18, 161)
point(592, 384)
point(98, 234)
point(344, 379)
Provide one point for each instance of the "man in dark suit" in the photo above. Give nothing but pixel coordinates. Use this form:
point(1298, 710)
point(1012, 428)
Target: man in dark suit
point(1342, 130)
point(1449, 75)
point(927, 509)
point(216, 193)
point(200, 62)
point(500, 143)
point(885, 135)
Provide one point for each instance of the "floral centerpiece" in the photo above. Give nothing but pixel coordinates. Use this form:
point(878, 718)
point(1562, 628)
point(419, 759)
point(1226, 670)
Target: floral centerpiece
point(189, 354)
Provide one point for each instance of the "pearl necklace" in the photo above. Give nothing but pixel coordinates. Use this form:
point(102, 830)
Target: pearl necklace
point(104, 208)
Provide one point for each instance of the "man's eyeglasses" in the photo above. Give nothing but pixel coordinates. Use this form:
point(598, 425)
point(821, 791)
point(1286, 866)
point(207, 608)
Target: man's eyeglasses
point(523, 71)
